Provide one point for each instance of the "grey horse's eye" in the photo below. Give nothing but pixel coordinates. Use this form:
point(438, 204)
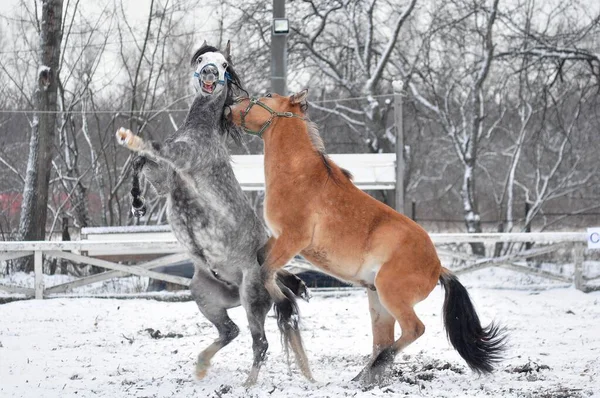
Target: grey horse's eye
point(225, 65)
point(199, 60)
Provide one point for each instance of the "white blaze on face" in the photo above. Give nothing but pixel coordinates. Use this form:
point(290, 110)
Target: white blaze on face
point(209, 76)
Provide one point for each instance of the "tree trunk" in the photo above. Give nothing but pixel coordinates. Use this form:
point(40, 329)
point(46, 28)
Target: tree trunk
point(471, 213)
point(32, 225)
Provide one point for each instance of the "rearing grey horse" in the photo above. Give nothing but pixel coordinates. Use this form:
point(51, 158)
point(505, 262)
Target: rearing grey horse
point(210, 215)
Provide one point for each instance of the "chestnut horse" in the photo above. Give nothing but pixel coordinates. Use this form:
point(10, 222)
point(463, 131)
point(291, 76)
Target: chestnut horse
point(313, 208)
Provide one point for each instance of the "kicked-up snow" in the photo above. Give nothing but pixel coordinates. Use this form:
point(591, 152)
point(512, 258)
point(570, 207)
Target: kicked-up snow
point(143, 348)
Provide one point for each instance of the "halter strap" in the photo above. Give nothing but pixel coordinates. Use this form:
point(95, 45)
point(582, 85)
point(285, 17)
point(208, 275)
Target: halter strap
point(274, 114)
point(227, 75)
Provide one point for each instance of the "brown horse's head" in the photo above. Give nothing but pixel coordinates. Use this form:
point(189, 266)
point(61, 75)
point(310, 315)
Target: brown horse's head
point(256, 114)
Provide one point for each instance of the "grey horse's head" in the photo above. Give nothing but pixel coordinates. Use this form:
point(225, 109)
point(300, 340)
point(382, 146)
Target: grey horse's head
point(214, 75)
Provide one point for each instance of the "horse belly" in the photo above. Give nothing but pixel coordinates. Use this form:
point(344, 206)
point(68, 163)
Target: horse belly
point(350, 268)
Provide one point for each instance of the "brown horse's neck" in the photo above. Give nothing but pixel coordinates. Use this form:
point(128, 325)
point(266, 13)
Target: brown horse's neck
point(287, 141)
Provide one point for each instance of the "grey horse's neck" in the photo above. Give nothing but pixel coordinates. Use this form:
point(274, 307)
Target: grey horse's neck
point(206, 111)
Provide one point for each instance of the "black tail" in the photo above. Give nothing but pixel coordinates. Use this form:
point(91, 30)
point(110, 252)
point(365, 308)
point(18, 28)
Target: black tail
point(480, 347)
point(283, 288)
point(138, 205)
point(288, 315)
point(292, 282)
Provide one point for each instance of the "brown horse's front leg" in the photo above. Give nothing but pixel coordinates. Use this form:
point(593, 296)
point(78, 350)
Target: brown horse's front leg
point(279, 252)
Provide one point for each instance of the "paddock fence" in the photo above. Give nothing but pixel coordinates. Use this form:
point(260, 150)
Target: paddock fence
point(118, 244)
point(150, 247)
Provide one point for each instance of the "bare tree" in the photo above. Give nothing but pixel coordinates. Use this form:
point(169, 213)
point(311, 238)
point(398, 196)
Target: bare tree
point(452, 89)
point(35, 194)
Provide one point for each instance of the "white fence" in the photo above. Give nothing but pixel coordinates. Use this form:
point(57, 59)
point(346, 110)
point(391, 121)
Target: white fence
point(123, 244)
point(371, 171)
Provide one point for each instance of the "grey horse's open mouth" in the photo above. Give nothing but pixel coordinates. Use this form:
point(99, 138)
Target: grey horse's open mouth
point(208, 87)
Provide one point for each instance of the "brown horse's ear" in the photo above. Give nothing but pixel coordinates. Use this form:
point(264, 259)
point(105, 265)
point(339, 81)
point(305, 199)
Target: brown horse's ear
point(228, 51)
point(300, 97)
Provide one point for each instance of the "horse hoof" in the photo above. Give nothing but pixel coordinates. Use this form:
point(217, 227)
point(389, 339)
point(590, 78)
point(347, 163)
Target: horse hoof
point(369, 378)
point(201, 374)
point(202, 367)
point(123, 135)
point(249, 382)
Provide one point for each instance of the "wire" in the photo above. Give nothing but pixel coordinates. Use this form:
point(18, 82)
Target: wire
point(174, 110)
point(109, 43)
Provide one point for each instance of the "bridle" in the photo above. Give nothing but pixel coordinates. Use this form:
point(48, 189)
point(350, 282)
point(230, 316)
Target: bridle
point(274, 114)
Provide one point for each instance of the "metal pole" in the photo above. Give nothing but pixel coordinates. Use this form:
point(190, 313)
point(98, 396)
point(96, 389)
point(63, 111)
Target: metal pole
point(398, 120)
point(278, 53)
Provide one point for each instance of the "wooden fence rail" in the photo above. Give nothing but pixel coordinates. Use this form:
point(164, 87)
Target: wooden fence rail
point(77, 251)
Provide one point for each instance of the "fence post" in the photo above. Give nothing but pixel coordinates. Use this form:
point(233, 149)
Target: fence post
point(38, 270)
point(578, 250)
point(398, 121)
point(528, 245)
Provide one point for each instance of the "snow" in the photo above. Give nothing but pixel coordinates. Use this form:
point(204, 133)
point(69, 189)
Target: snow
point(125, 229)
point(43, 69)
point(100, 348)
point(126, 285)
point(398, 86)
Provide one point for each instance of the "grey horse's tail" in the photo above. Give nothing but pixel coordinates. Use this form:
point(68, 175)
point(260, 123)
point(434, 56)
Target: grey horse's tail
point(284, 287)
point(292, 282)
point(138, 205)
point(283, 291)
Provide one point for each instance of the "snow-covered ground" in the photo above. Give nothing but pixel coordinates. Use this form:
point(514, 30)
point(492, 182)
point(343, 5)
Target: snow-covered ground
point(101, 348)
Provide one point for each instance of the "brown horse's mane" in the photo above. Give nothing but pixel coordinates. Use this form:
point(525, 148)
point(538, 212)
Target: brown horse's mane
point(317, 141)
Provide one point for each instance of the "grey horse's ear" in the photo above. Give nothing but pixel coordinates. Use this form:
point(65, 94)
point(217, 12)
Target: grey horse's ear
point(299, 97)
point(204, 44)
point(228, 51)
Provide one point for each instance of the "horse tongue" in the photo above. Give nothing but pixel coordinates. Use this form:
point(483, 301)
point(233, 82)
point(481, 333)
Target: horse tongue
point(208, 87)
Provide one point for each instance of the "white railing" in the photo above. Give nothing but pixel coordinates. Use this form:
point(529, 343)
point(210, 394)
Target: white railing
point(81, 251)
point(375, 171)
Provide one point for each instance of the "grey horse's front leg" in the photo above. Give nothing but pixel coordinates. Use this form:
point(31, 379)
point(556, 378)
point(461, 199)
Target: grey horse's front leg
point(126, 138)
point(180, 155)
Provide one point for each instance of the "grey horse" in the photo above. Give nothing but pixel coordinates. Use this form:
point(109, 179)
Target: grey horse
point(210, 215)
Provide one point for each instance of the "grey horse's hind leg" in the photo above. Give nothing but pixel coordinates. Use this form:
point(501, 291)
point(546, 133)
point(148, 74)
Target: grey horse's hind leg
point(214, 298)
point(257, 303)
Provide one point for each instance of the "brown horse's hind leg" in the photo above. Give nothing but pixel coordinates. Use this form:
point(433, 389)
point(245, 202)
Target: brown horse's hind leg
point(382, 324)
point(398, 295)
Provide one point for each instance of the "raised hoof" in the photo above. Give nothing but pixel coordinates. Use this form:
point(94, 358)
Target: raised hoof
point(123, 136)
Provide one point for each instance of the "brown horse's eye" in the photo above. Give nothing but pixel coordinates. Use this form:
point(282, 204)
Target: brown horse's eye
point(268, 95)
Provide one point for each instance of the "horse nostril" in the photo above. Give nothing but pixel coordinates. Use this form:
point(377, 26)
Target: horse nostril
point(209, 73)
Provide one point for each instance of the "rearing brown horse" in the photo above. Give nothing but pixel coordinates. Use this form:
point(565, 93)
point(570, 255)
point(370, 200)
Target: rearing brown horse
point(313, 208)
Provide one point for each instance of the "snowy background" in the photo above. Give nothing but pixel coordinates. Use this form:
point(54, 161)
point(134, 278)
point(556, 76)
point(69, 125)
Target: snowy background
point(89, 347)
